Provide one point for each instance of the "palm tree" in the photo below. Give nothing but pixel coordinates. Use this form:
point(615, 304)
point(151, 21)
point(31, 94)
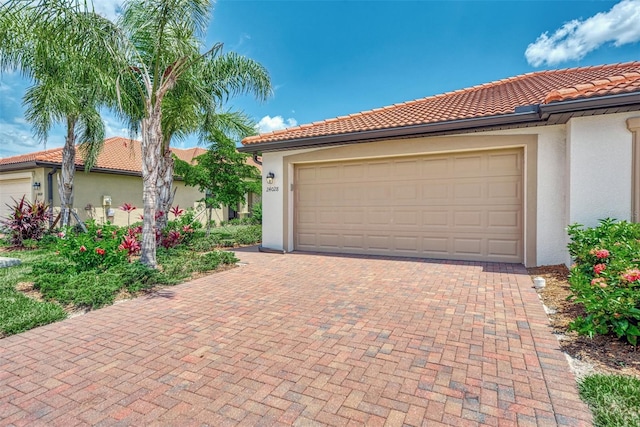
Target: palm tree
point(70, 79)
point(171, 88)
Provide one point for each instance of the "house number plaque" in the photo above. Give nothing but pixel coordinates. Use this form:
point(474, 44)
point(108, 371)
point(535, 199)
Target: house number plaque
point(272, 189)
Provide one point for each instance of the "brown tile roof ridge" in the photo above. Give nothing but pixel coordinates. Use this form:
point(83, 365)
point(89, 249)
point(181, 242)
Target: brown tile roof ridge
point(520, 88)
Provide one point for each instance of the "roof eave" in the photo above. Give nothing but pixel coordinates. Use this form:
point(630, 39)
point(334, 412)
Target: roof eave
point(9, 167)
point(529, 116)
point(593, 103)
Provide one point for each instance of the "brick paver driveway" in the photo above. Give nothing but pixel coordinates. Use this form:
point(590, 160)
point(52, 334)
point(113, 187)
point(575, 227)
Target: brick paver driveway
point(303, 339)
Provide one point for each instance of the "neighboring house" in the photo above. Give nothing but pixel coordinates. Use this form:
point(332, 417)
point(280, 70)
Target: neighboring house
point(494, 172)
point(116, 179)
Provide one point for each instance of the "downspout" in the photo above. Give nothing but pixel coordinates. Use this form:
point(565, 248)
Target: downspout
point(50, 193)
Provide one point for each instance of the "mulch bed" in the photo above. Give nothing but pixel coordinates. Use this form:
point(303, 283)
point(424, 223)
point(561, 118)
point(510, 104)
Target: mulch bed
point(605, 353)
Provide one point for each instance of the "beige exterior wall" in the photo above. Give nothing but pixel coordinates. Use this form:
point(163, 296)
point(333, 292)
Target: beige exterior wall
point(90, 189)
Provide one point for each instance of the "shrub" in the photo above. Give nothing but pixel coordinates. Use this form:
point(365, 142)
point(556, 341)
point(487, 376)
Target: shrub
point(249, 235)
point(98, 248)
point(256, 213)
point(205, 243)
point(27, 221)
point(605, 278)
point(136, 276)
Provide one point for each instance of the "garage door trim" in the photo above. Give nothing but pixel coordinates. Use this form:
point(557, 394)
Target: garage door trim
point(422, 146)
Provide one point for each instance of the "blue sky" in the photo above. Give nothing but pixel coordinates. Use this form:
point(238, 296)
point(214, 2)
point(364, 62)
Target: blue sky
point(333, 58)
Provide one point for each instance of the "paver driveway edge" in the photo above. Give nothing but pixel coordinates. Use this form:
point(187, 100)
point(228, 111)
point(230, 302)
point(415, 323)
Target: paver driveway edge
point(303, 339)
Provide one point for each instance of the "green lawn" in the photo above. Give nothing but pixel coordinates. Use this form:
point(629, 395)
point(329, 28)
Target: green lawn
point(18, 312)
point(614, 399)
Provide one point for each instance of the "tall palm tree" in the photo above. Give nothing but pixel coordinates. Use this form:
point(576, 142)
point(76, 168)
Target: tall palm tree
point(53, 44)
point(166, 63)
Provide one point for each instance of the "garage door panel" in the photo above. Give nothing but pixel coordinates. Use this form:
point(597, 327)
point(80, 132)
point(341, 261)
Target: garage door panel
point(436, 246)
point(502, 247)
point(434, 168)
point(473, 165)
point(408, 218)
point(405, 191)
point(379, 241)
point(459, 206)
point(465, 246)
point(504, 162)
point(473, 219)
point(353, 241)
point(353, 172)
point(408, 169)
point(436, 218)
point(435, 191)
point(407, 244)
point(504, 219)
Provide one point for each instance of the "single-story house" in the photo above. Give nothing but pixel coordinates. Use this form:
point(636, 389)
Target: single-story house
point(494, 172)
point(116, 179)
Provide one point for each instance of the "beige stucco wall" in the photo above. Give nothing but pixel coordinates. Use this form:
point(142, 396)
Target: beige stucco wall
point(90, 189)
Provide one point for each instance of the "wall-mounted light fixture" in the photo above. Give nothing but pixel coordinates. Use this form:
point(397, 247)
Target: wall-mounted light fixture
point(270, 177)
point(36, 186)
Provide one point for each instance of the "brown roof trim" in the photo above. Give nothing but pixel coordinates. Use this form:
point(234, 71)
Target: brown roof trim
point(575, 105)
point(525, 115)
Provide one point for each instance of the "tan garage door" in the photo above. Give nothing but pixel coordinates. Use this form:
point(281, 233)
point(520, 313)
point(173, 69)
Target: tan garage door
point(11, 189)
point(466, 206)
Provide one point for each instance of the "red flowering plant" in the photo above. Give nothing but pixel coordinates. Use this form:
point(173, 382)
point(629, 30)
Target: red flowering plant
point(605, 278)
point(181, 230)
point(95, 249)
point(128, 208)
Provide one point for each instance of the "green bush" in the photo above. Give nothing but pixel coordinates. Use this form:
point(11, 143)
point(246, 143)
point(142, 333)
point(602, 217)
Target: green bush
point(136, 276)
point(204, 243)
point(256, 213)
point(98, 248)
point(248, 235)
point(605, 278)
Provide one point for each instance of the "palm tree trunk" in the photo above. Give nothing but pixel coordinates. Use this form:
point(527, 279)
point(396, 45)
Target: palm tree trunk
point(151, 145)
point(67, 171)
point(165, 188)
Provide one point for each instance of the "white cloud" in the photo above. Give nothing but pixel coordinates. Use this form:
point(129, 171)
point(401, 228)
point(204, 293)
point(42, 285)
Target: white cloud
point(108, 8)
point(575, 39)
point(269, 124)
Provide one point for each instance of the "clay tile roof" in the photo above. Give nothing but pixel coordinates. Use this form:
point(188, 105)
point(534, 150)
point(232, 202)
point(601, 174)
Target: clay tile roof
point(490, 99)
point(118, 154)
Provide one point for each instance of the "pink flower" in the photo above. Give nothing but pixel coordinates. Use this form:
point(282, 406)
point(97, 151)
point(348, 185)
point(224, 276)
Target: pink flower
point(99, 232)
point(187, 229)
point(602, 254)
point(599, 268)
point(61, 234)
point(83, 249)
point(632, 275)
point(100, 251)
point(176, 211)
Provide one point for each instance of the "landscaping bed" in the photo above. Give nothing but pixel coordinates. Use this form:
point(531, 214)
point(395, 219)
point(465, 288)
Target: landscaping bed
point(70, 272)
point(602, 353)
